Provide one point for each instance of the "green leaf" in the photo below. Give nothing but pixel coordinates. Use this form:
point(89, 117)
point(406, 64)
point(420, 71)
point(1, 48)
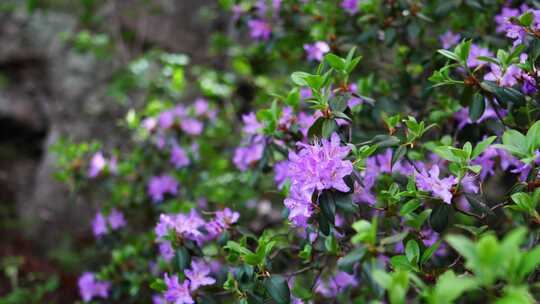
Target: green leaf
point(449, 287)
point(482, 146)
point(329, 126)
point(462, 50)
point(335, 61)
point(293, 99)
point(533, 137)
point(183, 258)
point(448, 54)
point(410, 206)
point(316, 128)
point(328, 206)
point(158, 285)
point(236, 247)
point(462, 245)
point(400, 262)
point(412, 251)
point(299, 78)
point(278, 289)
point(504, 94)
point(428, 253)
point(439, 217)
point(477, 107)
point(347, 262)
point(526, 19)
point(398, 154)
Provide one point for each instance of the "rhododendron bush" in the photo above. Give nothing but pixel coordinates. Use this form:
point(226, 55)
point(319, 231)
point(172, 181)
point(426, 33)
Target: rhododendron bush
point(355, 151)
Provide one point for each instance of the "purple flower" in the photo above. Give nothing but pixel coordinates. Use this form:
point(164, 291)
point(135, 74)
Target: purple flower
point(201, 106)
point(227, 217)
point(503, 19)
point(149, 124)
point(90, 288)
point(508, 79)
point(161, 185)
point(351, 6)
point(198, 275)
point(179, 157)
point(166, 251)
point(176, 293)
point(449, 39)
point(475, 52)
point(430, 182)
point(316, 50)
point(157, 299)
point(529, 84)
point(281, 173)
point(97, 164)
point(187, 226)
point(470, 183)
point(166, 120)
point(99, 225)
point(245, 157)
point(191, 126)
point(116, 219)
point(259, 29)
point(335, 284)
point(165, 224)
point(251, 125)
point(315, 167)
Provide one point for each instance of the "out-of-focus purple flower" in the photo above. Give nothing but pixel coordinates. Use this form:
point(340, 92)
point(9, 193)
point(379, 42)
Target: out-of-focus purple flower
point(201, 106)
point(198, 275)
point(305, 93)
point(191, 126)
point(508, 79)
point(449, 39)
point(97, 164)
point(281, 173)
point(179, 157)
point(299, 205)
point(351, 6)
point(99, 225)
point(335, 284)
point(166, 251)
point(304, 123)
point(251, 125)
point(177, 293)
point(188, 226)
point(245, 157)
point(149, 124)
point(116, 219)
point(430, 182)
point(259, 29)
point(165, 223)
point(316, 50)
point(503, 18)
point(470, 183)
point(475, 52)
point(158, 186)
point(227, 217)
point(90, 288)
point(463, 118)
point(166, 119)
point(287, 118)
point(529, 84)
point(157, 299)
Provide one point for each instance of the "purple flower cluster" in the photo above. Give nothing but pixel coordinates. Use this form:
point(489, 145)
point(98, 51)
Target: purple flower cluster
point(514, 31)
point(315, 167)
point(350, 6)
point(90, 288)
point(334, 285)
point(430, 182)
point(489, 159)
point(248, 154)
point(192, 227)
point(197, 276)
point(115, 219)
point(449, 39)
point(259, 29)
point(316, 50)
point(98, 163)
point(158, 186)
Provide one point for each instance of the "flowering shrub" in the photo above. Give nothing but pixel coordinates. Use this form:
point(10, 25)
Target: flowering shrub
point(364, 165)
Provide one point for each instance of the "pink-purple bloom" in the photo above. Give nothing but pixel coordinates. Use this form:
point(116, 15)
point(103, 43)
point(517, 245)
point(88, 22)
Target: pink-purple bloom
point(315, 167)
point(177, 293)
point(316, 50)
point(158, 186)
point(259, 29)
point(90, 287)
point(179, 157)
point(116, 219)
point(351, 6)
point(449, 39)
point(198, 275)
point(430, 182)
point(99, 225)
